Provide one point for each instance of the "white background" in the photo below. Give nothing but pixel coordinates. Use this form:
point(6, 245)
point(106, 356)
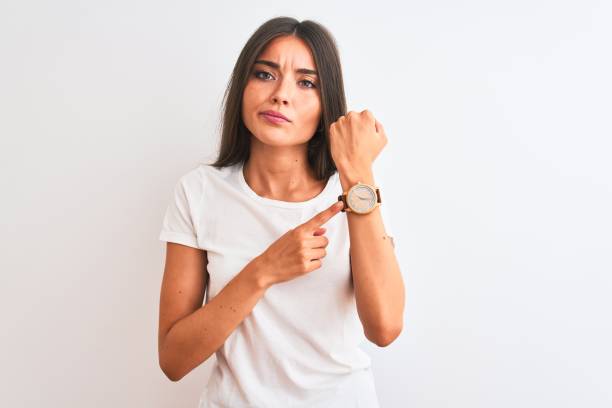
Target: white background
point(497, 179)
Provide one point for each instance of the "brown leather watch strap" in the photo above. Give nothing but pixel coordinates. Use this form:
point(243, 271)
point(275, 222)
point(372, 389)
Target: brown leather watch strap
point(342, 197)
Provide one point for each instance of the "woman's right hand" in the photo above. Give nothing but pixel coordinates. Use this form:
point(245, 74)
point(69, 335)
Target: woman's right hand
point(299, 250)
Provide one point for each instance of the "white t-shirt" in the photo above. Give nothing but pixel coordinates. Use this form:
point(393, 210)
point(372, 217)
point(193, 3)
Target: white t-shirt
point(299, 345)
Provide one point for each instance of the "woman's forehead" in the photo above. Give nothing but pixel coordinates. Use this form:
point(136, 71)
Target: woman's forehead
point(289, 50)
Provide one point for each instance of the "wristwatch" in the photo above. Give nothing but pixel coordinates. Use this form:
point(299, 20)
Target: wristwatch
point(360, 199)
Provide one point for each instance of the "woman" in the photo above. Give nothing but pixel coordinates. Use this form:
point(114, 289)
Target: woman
point(286, 304)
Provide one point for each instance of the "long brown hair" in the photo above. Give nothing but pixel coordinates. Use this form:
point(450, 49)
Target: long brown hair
point(235, 137)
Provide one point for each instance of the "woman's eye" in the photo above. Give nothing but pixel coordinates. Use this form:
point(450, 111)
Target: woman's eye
point(312, 85)
point(261, 72)
point(262, 75)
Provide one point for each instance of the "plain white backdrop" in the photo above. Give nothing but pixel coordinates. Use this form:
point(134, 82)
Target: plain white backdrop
point(497, 179)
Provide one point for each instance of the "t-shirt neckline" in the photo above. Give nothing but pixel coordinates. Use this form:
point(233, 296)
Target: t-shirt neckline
point(279, 203)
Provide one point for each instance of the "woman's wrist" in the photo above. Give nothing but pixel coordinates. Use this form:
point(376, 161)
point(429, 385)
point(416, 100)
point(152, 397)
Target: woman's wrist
point(256, 269)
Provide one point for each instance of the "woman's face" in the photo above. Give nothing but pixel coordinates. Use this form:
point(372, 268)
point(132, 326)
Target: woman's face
point(282, 88)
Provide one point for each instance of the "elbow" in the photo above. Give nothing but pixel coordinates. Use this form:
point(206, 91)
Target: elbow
point(385, 336)
point(168, 371)
point(168, 363)
point(170, 374)
point(172, 377)
point(174, 369)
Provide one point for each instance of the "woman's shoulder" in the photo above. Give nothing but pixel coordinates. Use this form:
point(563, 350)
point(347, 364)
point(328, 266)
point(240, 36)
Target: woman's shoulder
point(201, 171)
point(208, 171)
point(198, 176)
point(204, 176)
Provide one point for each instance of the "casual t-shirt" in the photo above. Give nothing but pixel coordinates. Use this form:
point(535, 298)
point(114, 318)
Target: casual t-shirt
point(299, 347)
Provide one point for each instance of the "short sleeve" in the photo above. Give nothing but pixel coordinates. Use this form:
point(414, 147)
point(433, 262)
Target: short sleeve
point(180, 220)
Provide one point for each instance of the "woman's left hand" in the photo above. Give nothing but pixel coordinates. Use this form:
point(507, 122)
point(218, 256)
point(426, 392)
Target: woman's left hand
point(355, 140)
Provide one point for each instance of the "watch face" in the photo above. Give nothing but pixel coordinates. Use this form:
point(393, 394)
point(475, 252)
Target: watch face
point(361, 198)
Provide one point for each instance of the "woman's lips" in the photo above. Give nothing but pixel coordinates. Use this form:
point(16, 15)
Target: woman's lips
point(273, 119)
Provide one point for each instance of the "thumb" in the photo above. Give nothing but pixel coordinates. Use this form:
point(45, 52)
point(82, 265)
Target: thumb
point(320, 231)
point(379, 127)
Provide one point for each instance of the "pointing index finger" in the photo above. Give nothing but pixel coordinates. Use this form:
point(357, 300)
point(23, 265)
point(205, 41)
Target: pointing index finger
point(324, 216)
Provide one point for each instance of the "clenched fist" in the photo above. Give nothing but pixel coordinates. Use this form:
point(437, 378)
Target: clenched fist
point(355, 140)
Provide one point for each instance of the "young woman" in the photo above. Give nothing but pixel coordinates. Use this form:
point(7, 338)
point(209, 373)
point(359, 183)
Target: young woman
point(288, 301)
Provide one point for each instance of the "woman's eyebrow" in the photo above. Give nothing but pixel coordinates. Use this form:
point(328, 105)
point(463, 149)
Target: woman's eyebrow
point(276, 66)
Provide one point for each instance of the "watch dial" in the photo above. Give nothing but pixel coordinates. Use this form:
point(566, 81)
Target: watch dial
point(362, 198)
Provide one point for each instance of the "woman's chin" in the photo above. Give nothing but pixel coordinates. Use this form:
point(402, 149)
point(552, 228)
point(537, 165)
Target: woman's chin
point(272, 138)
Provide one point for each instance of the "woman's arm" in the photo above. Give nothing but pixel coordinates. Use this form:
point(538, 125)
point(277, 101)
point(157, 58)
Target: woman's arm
point(356, 139)
point(378, 283)
point(190, 333)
